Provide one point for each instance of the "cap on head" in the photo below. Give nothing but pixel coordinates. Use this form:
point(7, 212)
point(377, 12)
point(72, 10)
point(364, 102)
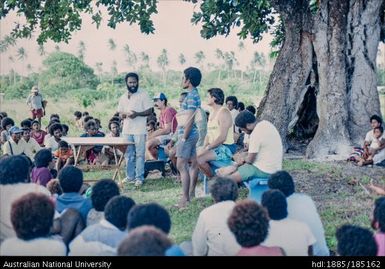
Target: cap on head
point(15, 130)
point(161, 96)
point(35, 89)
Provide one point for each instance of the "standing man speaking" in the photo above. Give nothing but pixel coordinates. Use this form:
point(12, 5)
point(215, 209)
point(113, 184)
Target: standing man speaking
point(134, 107)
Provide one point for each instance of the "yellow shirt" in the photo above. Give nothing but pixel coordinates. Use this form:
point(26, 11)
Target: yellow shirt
point(213, 129)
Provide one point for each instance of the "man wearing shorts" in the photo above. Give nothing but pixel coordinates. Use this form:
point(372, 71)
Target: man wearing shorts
point(188, 136)
point(265, 152)
point(36, 104)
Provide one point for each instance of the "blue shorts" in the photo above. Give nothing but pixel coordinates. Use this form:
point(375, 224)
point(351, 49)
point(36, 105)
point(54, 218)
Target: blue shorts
point(188, 148)
point(223, 153)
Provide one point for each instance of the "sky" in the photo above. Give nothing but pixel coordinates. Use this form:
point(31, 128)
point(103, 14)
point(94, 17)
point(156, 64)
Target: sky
point(174, 32)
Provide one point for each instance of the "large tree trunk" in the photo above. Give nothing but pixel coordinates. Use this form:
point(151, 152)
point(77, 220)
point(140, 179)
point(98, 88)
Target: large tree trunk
point(332, 136)
point(363, 34)
point(287, 83)
point(339, 51)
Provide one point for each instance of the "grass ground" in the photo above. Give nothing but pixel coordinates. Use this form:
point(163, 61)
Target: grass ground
point(335, 187)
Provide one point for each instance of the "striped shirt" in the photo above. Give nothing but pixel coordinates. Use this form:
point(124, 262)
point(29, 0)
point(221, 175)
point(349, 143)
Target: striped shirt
point(191, 102)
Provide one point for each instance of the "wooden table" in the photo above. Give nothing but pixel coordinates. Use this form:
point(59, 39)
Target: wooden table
point(80, 144)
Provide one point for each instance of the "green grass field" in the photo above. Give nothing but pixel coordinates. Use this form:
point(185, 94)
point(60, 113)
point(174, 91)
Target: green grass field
point(337, 200)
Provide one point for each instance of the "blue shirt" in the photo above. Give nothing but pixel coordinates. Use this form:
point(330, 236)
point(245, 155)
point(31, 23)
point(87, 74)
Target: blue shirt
point(76, 201)
point(191, 102)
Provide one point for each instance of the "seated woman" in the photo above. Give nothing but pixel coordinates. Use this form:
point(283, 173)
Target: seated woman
point(373, 151)
point(41, 173)
point(93, 154)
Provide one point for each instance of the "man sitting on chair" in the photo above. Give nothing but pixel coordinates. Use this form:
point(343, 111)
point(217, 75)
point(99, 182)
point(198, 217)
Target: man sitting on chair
point(265, 150)
point(219, 143)
point(168, 125)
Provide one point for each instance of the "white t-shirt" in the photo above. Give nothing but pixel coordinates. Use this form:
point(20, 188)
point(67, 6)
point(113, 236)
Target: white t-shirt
point(373, 142)
point(212, 236)
point(302, 208)
point(8, 194)
point(234, 114)
point(51, 143)
point(139, 102)
point(35, 247)
point(266, 141)
point(293, 236)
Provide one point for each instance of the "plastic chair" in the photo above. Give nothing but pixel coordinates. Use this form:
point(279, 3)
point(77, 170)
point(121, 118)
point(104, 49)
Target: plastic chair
point(257, 186)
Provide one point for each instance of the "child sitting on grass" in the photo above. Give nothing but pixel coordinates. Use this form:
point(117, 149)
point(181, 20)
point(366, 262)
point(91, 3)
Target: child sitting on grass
point(64, 155)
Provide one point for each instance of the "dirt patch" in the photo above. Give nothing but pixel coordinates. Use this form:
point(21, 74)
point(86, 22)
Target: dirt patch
point(339, 190)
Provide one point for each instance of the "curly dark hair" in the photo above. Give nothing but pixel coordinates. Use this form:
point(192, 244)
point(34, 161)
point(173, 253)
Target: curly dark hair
point(7, 121)
point(53, 127)
point(282, 181)
point(224, 189)
point(149, 214)
point(32, 216)
point(232, 99)
point(145, 241)
point(117, 209)
point(243, 118)
point(102, 192)
point(355, 241)
point(71, 179)
point(379, 213)
point(275, 203)
point(376, 118)
point(218, 94)
point(249, 223)
point(27, 123)
point(14, 169)
point(43, 158)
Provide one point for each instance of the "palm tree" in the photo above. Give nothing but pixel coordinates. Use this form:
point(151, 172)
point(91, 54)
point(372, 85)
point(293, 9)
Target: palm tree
point(145, 58)
point(22, 55)
point(6, 42)
point(82, 50)
point(99, 69)
point(29, 68)
point(12, 60)
point(230, 61)
point(114, 71)
point(259, 60)
point(199, 58)
point(219, 55)
point(112, 44)
point(131, 58)
point(241, 46)
point(163, 63)
point(41, 50)
point(182, 59)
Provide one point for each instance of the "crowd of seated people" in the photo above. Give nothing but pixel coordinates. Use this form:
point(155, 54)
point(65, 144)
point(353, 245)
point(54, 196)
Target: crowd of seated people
point(61, 219)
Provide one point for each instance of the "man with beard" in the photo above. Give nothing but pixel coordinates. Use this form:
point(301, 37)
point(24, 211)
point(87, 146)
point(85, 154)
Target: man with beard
point(167, 122)
point(265, 152)
point(134, 106)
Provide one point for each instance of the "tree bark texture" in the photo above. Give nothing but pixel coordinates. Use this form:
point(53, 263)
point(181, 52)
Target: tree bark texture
point(338, 45)
point(291, 71)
